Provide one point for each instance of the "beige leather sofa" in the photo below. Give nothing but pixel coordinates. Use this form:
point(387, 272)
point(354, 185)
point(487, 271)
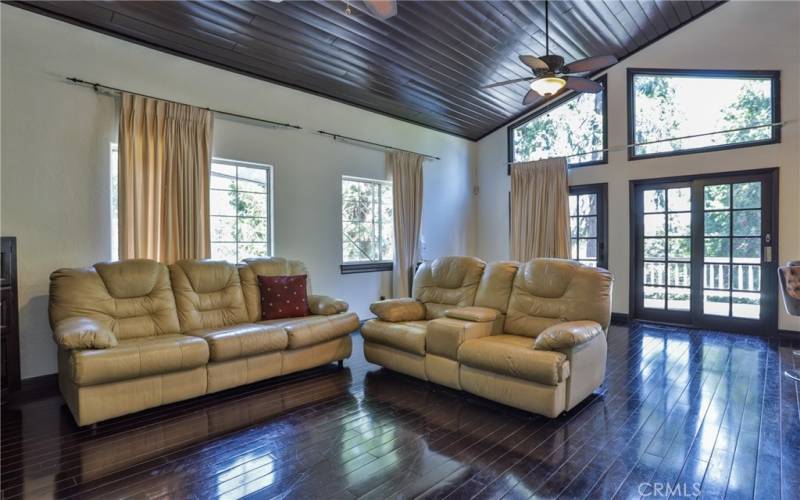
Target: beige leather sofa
point(135, 334)
point(531, 335)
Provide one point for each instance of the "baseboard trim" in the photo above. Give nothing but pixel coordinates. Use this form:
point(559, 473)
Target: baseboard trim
point(621, 319)
point(31, 389)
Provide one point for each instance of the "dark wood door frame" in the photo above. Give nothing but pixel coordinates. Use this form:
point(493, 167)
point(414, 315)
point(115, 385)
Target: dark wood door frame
point(771, 307)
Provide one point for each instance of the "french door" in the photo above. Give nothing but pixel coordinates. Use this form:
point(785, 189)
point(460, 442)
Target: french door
point(704, 251)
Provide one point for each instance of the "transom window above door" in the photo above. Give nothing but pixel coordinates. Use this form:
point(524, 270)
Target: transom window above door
point(667, 106)
point(241, 210)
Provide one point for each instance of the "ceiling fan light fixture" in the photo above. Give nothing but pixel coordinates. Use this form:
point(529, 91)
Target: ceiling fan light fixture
point(548, 85)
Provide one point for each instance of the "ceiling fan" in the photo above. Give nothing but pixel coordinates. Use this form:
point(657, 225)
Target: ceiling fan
point(550, 74)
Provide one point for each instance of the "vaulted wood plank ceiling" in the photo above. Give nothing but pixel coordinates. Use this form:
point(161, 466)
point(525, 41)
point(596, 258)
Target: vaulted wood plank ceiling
point(425, 65)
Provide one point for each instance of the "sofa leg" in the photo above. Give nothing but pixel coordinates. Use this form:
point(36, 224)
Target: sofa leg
point(340, 363)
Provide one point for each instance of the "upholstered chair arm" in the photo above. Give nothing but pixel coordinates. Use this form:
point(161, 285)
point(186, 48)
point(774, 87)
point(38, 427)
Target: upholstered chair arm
point(83, 333)
point(567, 335)
point(445, 335)
point(396, 310)
point(324, 305)
point(473, 313)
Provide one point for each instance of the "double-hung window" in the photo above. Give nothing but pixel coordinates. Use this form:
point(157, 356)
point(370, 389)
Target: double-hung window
point(367, 225)
point(674, 112)
point(574, 126)
point(241, 210)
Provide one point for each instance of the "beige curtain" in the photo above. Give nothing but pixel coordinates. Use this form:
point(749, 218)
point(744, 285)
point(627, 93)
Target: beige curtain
point(407, 212)
point(539, 209)
point(164, 158)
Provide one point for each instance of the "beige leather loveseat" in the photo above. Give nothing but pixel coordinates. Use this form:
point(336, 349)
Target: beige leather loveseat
point(135, 334)
point(528, 335)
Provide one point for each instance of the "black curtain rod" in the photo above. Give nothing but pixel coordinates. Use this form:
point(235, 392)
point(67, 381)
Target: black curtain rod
point(98, 86)
point(375, 144)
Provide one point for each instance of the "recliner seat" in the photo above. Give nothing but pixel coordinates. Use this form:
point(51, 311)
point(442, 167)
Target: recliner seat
point(533, 337)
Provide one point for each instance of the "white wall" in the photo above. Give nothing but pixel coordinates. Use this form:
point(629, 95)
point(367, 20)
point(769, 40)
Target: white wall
point(737, 35)
point(54, 170)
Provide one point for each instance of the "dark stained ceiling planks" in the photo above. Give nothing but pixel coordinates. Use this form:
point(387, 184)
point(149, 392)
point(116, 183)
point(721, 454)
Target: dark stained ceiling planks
point(426, 65)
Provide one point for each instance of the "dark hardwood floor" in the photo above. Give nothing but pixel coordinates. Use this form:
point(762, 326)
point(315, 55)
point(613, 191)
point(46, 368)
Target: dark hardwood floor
point(682, 412)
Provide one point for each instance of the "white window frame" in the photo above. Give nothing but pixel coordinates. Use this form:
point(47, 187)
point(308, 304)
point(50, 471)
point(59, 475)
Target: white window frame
point(269, 194)
point(361, 265)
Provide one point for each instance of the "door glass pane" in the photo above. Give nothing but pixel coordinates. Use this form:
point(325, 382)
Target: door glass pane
point(573, 227)
point(654, 297)
point(747, 223)
point(573, 204)
point(747, 250)
point(680, 249)
point(654, 225)
point(654, 248)
point(746, 277)
point(716, 276)
point(717, 223)
point(654, 273)
point(717, 197)
point(679, 273)
point(588, 227)
point(680, 199)
point(679, 299)
point(680, 224)
point(716, 302)
point(717, 249)
point(747, 195)
point(587, 204)
point(746, 305)
point(654, 200)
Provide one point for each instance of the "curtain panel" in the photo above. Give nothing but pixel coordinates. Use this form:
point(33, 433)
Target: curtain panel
point(539, 210)
point(164, 161)
point(406, 171)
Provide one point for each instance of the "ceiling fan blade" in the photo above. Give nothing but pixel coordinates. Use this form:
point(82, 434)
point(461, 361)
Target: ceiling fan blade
point(533, 62)
point(532, 97)
point(589, 64)
point(579, 84)
point(382, 9)
point(507, 82)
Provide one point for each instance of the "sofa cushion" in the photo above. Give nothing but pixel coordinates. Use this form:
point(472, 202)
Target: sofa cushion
point(408, 336)
point(240, 341)
point(446, 282)
point(283, 296)
point(312, 330)
point(208, 294)
point(138, 357)
point(131, 298)
point(514, 356)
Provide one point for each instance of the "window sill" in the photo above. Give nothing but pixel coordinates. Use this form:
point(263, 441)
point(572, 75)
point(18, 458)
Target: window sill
point(366, 267)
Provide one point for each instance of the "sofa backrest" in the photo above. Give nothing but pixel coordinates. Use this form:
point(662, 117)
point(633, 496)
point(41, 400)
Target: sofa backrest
point(446, 282)
point(208, 294)
point(251, 269)
point(494, 289)
point(133, 297)
point(550, 291)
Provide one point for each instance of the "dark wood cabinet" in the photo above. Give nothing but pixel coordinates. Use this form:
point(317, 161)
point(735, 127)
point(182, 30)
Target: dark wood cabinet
point(9, 315)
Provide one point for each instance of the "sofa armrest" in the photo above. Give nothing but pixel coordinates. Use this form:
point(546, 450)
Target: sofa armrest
point(473, 313)
point(567, 335)
point(396, 310)
point(325, 305)
point(444, 336)
point(83, 333)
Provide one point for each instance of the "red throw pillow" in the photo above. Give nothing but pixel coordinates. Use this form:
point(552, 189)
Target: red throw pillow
point(283, 296)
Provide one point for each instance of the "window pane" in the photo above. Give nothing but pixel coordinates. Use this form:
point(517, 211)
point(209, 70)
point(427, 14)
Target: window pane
point(680, 199)
point(251, 205)
point(367, 233)
point(670, 106)
point(680, 224)
point(717, 223)
point(252, 179)
point(224, 251)
point(252, 229)
point(654, 200)
point(717, 197)
point(588, 227)
point(223, 228)
point(680, 249)
point(716, 302)
point(575, 126)
point(747, 195)
point(587, 204)
point(747, 223)
point(223, 202)
point(248, 250)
